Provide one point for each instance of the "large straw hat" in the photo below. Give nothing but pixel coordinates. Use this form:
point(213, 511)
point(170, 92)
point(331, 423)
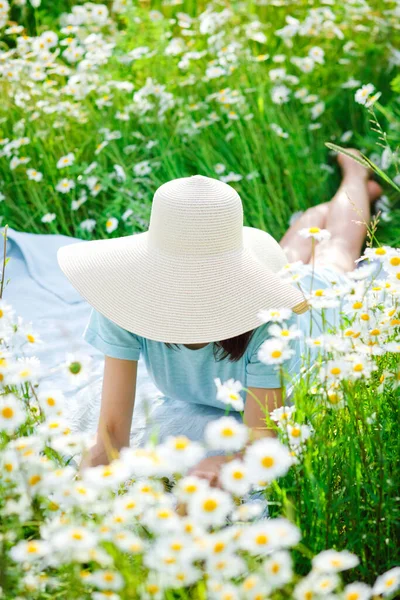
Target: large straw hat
point(197, 275)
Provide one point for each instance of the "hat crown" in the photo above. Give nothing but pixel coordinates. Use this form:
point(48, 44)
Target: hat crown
point(196, 216)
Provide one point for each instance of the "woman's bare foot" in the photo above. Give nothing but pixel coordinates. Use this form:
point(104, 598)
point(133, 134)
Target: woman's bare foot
point(374, 190)
point(351, 168)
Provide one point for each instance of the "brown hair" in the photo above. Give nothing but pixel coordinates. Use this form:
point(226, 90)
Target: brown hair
point(232, 348)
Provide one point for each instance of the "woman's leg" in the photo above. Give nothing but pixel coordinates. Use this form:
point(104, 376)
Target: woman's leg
point(331, 215)
point(348, 216)
point(296, 247)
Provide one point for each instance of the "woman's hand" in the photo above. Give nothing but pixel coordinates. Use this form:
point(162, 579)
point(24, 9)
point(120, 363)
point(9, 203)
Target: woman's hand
point(209, 469)
point(95, 456)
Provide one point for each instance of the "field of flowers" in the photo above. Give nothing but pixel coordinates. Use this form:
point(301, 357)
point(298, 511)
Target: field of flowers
point(101, 103)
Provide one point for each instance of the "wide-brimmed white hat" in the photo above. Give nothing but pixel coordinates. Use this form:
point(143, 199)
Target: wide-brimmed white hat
point(197, 275)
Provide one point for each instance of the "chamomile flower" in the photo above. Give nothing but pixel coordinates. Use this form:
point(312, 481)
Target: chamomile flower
point(181, 452)
point(34, 175)
point(325, 584)
point(278, 568)
point(48, 217)
point(334, 370)
point(29, 551)
point(298, 434)
point(229, 393)
point(362, 94)
point(274, 315)
point(65, 185)
point(332, 561)
point(234, 478)
point(274, 352)
point(210, 507)
point(12, 414)
point(266, 459)
point(66, 161)
point(52, 401)
point(282, 414)
point(226, 434)
point(111, 224)
point(283, 332)
point(357, 591)
point(107, 580)
point(388, 583)
point(77, 367)
point(188, 486)
point(69, 539)
point(315, 233)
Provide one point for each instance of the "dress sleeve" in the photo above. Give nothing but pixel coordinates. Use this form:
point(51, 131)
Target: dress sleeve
point(111, 339)
point(258, 374)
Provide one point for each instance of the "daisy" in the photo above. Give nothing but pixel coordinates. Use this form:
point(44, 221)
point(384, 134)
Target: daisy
point(111, 224)
point(267, 459)
point(29, 551)
point(219, 168)
point(210, 507)
point(298, 433)
point(332, 561)
point(357, 591)
point(142, 168)
point(65, 185)
point(161, 519)
point(181, 452)
point(278, 568)
point(388, 583)
point(317, 54)
point(70, 539)
point(316, 233)
point(225, 567)
point(48, 218)
point(282, 414)
point(226, 434)
point(234, 479)
point(274, 315)
point(52, 401)
point(104, 476)
point(77, 367)
point(280, 94)
point(66, 161)
point(34, 175)
point(25, 369)
point(334, 370)
point(11, 413)
point(229, 393)
point(325, 584)
point(107, 580)
point(362, 94)
point(274, 352)
point(285, 333)
point(381, 253)
point(88, 225)
point(258, 538)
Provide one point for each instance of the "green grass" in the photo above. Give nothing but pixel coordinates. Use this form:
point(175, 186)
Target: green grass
point(344, 493)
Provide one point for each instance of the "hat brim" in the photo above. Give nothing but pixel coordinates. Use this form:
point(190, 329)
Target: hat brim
point(178, 299)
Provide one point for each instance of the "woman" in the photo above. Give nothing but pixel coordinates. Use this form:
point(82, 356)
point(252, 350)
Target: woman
point(198, 275)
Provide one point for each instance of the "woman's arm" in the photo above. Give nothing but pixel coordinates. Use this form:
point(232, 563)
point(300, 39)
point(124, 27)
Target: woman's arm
point(255, 410)
point(117, 402)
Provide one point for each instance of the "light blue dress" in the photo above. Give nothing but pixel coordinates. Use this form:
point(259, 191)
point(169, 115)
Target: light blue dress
point(185, 377)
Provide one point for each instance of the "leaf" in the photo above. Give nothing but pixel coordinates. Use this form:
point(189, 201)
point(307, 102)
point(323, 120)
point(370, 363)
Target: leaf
point(365, 162)
point(360, 159)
